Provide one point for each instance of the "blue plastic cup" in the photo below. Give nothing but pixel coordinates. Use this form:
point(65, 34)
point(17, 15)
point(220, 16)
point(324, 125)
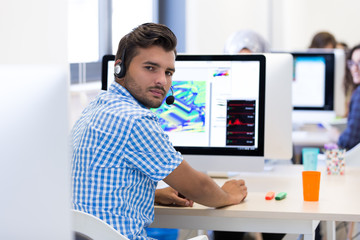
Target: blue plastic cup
point(309, 158)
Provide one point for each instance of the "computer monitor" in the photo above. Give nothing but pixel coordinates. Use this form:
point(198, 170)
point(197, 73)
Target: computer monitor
point(339, 95)
point(313, 81)
point(35, 164)
point(314, 86)
point(278, 106)
point(218, 118)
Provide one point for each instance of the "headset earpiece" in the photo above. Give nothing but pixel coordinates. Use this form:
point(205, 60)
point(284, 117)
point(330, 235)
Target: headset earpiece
point(119, 69)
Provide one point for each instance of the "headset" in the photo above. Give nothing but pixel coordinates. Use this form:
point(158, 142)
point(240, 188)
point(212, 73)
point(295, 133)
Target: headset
point(120, 71)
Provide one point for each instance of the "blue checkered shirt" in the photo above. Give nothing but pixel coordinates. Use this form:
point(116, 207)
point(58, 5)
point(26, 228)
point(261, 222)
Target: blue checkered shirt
point(351, 136)
point(119, 154)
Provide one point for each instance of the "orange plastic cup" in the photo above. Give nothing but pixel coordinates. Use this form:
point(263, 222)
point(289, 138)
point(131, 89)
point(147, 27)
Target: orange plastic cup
point(311, 185)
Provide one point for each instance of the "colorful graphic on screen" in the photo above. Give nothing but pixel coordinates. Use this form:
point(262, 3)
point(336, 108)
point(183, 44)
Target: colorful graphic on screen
point(188, 111)
point(221, 73)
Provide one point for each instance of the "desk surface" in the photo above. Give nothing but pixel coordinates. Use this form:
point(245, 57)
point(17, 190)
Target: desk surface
point(310, 138)
point(316, 134)
point(338, 201)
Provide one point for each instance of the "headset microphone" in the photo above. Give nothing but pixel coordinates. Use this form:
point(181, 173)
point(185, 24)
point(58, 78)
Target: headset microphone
point(170, 99)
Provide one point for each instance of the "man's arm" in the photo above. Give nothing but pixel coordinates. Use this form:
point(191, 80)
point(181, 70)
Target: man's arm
point(169, 196)
point(200, 188)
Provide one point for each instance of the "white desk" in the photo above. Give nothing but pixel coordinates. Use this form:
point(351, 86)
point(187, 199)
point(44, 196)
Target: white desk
point(310, 138)
point(339, 201)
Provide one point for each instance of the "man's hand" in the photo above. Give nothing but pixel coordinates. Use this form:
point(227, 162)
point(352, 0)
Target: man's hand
point(169, 196)
point(236, 189)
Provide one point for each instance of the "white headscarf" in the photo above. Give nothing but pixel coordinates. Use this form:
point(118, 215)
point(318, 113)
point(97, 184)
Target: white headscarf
point(246, 39)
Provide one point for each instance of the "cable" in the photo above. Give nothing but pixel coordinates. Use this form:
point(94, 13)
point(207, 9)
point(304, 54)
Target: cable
point(356, 235)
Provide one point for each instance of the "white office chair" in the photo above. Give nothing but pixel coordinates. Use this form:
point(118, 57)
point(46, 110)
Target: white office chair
point(352, 157)
point(89, 227)
point(200, 237)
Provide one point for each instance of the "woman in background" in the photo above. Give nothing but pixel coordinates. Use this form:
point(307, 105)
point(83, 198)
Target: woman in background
point(246, 41)
point(323, 40)
point(351, 136)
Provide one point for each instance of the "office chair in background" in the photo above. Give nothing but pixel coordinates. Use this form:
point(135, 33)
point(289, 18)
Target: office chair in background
point(352, 157)
point(89, 227)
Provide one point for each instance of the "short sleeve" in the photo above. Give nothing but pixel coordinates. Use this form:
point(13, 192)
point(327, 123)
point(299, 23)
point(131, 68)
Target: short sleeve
point(150, 150)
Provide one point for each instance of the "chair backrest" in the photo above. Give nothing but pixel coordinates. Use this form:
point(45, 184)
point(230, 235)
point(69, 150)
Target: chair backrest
point(352, 157)
point(87, 226)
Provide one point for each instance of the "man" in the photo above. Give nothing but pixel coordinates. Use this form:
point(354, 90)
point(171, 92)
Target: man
point(120, 151)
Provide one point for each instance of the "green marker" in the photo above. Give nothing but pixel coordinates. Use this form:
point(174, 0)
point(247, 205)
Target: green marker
point(280, 196)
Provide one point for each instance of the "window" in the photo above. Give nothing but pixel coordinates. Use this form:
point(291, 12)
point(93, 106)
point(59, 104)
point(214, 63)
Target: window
point(128, 15)
point(95, 28)
point(83, 27)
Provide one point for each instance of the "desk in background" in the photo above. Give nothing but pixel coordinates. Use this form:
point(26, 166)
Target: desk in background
point(303, 139)
point(339, 201)
point(313, 135)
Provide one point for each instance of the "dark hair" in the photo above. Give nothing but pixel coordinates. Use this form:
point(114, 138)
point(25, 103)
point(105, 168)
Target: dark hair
point(322, 39)
point(349, 84)
point(144, 36)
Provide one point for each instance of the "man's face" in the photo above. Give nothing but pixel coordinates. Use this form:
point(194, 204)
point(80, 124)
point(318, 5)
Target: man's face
point(149, 76)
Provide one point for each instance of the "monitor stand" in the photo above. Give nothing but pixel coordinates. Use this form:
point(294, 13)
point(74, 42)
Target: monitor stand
point(224, 175)
point(225, 166)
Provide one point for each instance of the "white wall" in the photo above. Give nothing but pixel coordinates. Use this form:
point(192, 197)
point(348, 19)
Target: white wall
point(33, 31)
point(35, 178)
point(287, 24)
point(210, 22)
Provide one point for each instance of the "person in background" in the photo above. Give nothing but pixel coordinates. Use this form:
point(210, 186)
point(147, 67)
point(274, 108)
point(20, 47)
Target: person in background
point(348, 84)
point(323, 40)
point(246, 41)
point(344, 46)
point(351, 135)
point(120, 152)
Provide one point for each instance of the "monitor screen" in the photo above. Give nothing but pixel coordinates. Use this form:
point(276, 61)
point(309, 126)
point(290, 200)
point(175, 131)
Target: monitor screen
point(217, 119)
point(313, 81)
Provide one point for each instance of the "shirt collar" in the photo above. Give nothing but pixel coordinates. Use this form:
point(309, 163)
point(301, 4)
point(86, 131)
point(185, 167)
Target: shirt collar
point(116, 88)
